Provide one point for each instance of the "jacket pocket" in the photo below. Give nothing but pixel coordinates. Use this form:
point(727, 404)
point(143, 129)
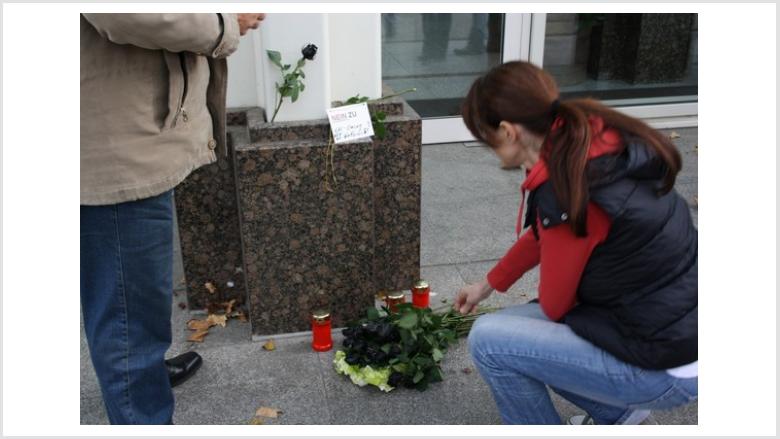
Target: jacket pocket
point(177, 88)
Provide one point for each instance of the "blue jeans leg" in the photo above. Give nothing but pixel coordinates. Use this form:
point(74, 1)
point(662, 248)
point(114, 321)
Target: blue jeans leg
point(519, 352)
point(126, 295)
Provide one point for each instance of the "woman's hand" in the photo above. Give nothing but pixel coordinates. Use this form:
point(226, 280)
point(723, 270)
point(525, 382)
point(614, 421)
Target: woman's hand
point(469, 296)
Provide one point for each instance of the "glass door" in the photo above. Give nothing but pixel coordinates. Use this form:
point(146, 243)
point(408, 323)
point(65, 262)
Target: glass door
point(645, 65)
point(441, 55)
point(642, 64)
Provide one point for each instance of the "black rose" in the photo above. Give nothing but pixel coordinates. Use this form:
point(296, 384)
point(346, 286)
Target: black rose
point(396, 378)
point(371, 328)
point(309, 51)
point(385, 331)
point(353, 358)
point(359, 345)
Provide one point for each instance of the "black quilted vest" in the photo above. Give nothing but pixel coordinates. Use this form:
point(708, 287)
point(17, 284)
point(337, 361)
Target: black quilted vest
point(638, 295)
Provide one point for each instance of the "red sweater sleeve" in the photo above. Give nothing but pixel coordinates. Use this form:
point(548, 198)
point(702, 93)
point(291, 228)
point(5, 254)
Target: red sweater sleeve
point(563, 257)
point(521, 257)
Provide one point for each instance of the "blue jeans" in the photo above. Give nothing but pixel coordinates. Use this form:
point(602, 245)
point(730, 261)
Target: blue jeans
point(126, 295)
point(519, 352)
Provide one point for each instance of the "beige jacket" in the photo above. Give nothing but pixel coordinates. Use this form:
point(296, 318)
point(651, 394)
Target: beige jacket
point(152, 100)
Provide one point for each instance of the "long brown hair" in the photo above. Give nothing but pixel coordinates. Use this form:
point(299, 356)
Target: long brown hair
point(520, 92)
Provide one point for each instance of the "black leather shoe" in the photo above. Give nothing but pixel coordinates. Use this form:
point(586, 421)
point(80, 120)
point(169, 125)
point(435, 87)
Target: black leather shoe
point(182, 367)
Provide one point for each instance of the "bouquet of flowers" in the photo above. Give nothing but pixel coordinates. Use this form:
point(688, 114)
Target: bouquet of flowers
point(400, 348)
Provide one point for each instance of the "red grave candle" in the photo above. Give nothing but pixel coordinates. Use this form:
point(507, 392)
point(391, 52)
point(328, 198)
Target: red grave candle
point(321, 331)
point(393, 299)
point(421, 293)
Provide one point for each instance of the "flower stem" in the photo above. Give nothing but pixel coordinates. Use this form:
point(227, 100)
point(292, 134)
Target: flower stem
point(286, 81)
point(277, 107)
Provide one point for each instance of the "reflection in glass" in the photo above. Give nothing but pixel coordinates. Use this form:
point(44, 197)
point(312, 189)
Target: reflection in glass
point(440, 54)
point(624, 59)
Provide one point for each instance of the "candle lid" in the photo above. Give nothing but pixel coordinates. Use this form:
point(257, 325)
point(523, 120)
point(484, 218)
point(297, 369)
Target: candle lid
point(421, 284)
point(395, 295)
point(320, 314)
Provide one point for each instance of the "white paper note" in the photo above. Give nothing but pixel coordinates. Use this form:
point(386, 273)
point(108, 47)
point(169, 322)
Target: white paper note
point(350, 122)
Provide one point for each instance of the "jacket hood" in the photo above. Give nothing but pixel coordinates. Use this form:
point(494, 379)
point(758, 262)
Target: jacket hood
point(604, 141)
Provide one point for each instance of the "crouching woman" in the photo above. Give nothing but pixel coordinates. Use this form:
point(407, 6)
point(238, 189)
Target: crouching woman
point(614, 330)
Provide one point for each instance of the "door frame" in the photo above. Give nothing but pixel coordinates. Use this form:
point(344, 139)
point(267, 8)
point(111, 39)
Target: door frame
point(523, 39)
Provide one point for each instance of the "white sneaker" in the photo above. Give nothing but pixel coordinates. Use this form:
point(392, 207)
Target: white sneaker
point(580, 420)
point(636, 418)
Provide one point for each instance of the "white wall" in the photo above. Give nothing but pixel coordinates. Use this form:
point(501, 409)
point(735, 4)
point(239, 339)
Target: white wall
point(242, 90)
point(348, 62)
point(355, 55)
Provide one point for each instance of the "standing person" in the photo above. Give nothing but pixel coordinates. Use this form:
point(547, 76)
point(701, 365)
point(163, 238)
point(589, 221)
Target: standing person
point(436, 36)
point(614, 330)
point(152, 110)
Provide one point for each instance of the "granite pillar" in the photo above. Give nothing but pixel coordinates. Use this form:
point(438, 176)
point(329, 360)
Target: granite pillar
point(305, 247)
point(262, 221)
point(207, 215)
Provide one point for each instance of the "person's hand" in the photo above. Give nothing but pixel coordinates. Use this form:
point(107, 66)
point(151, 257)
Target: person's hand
point(249, 21)
point(469, 296)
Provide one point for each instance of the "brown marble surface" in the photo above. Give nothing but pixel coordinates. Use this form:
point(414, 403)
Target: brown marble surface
point(307, 248)
point(207, 214)
point(263, 219)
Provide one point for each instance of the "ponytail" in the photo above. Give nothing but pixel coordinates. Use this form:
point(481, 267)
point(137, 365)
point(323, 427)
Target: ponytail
point(521, 92)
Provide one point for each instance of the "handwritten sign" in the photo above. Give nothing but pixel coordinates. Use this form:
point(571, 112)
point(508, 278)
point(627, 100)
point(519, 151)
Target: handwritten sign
point(350, 122)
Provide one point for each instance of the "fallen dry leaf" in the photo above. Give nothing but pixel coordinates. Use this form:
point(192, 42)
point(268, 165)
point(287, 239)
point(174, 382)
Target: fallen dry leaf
point(241, 316)
point(269, 345)
point(199, 325)
point(696, 148)
point(674, 135)
point(268, 412)
point(182, 305)
point(198, 335)
point(229, 306)
point(210, 287)
point(217, 319)
point(466, 370)
point(256, 421)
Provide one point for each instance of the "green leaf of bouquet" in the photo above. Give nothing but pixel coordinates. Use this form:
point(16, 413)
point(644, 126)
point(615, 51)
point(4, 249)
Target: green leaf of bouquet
point(372, 313)
point(408, 320)
point(437, 354)
point(434, 375)
point(418, 376)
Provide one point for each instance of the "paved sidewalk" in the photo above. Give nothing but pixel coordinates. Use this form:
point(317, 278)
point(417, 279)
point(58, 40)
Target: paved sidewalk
point(469, 208)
